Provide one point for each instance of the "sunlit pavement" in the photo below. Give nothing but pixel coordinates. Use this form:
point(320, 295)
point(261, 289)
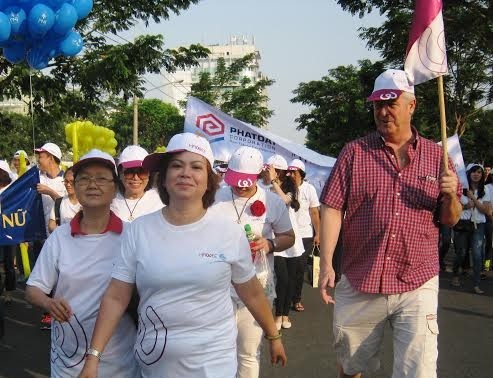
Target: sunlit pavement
point(465, 342)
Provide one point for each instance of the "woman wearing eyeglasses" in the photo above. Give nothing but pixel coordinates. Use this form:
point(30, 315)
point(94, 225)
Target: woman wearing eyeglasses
point(65, 207)
point(136, 196)
point(75, 264)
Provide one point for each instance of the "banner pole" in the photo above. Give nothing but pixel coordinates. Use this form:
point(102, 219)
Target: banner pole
point(443, 123)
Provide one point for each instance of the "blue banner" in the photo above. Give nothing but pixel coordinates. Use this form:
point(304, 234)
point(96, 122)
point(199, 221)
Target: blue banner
point(21, 211)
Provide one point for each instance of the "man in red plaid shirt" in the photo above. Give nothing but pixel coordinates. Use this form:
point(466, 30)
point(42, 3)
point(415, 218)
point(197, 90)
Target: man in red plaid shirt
point(388, 191)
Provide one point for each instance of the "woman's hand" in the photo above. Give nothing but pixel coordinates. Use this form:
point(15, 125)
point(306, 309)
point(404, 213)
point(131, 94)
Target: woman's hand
point(59, 309)
point(272, 174)
point(90, 369)
point(277, 354)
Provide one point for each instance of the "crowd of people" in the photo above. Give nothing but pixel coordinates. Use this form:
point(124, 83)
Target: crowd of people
point(173, 264)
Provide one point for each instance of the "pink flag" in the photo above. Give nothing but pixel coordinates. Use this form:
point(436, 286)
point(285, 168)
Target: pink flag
point(426, 57)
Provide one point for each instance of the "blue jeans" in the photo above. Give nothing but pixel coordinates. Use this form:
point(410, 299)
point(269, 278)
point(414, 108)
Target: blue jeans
point(463, 240)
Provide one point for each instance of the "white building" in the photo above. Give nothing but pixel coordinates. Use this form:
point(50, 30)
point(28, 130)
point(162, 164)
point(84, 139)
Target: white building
point(177, 85)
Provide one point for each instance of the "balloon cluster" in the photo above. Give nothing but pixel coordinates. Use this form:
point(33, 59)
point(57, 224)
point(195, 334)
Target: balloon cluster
point(89, 136)
point(39, 30)
point(160, 149)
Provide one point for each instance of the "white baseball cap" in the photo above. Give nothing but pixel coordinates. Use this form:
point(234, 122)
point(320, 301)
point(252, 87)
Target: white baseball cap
point(389, 85)
point(243, 167)
point(132, 157)
point(179, 143)
point(94, 156)
point(295, 165)
point(278, 162)
point(4, 166)
point(473, 165)
point(17, 154)
point(51, 148)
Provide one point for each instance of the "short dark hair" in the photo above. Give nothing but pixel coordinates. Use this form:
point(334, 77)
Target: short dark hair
point(212, 183)
point(4, 178)
point(69, 169)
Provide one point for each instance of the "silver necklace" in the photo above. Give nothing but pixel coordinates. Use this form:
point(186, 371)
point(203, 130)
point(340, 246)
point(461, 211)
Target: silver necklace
point(131, 217)
point(239, 214)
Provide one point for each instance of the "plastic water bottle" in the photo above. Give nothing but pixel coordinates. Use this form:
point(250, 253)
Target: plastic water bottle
point(251, 238)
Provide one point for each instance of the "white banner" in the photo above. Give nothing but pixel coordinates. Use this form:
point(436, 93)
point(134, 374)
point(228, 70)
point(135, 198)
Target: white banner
point(455, 154)
point(226, 134)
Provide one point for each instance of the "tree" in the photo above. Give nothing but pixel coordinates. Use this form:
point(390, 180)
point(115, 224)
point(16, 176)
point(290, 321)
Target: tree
point(107, 67)
point(468, 34)
point(476, 142)
point(339, 111)
point(158, 122)
point(238, 96)
point(16, 134)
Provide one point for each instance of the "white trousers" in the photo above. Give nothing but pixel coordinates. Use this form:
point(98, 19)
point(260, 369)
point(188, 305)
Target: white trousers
point(248, 342)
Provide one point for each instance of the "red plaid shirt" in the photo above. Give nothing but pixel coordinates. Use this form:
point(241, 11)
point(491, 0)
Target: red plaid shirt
point(390, 231)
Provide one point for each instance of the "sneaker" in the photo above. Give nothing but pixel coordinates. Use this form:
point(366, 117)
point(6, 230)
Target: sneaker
point(45, 322)
point(477, 290)
point(286, 324)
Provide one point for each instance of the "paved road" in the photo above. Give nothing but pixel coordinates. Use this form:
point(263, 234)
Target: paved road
point(465, 343)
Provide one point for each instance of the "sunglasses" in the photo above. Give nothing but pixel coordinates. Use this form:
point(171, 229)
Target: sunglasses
point(131, 172)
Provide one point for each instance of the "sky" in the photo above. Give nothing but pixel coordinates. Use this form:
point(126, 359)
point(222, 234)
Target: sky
point(298, 42)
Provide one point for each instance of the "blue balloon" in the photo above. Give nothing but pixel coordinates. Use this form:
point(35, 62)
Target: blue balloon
point(5, 27)
point(55, 4)
point(18, 20)
point(41, 18)
point(37, 58)
point(65, 19)
point(83, 7)
point(52, 47)
point(15, 53)
point(72, 44)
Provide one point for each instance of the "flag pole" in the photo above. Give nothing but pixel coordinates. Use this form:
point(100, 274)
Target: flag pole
point(443, 123)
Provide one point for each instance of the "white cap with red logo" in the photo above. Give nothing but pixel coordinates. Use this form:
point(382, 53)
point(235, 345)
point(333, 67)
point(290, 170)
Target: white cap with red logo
point(51, 148)
point(132, 157)
point(243, 167)
point(296, 164)
point(389, 85)
point(179, 143)
point(278, 162)
point(95, 156)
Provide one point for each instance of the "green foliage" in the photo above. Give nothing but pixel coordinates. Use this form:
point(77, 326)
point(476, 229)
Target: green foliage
point(16, 134)
point(339, 111)
point(239, 97)
point(468, 34)
point(476, 143)
point(158, 122)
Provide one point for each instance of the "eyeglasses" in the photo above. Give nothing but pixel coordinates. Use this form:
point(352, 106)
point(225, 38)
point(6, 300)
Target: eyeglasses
point(131, 172)
point(100, 181)
point(71, 182)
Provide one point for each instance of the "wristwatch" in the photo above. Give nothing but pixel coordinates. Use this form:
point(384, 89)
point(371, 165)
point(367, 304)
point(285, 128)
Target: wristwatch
point(94, 352)
point(274, 244)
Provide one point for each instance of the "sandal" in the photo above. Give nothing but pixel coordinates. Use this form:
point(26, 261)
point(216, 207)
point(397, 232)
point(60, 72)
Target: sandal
point(298, 307)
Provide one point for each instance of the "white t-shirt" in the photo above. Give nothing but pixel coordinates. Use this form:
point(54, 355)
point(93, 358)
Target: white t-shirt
point(307, 197)
point(67, 210)
point(78, 269)
point(474, 215)
point(183, 275)
point(129, 209)
point(56, 184)
point(274, 220)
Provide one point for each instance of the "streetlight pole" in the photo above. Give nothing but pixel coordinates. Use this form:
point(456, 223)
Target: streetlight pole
point(136, 110)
